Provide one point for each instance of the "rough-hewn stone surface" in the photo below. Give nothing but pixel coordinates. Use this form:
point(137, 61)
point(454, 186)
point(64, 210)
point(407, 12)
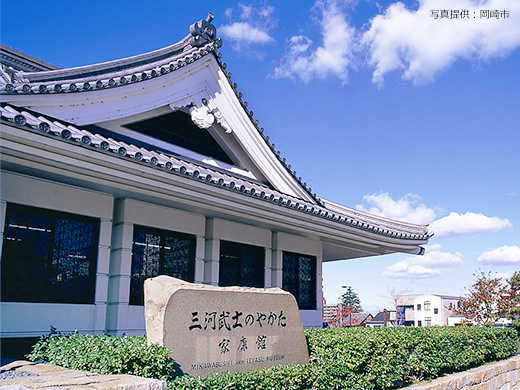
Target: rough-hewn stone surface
point(502, 375)
point(47, 377)
point(216, 329)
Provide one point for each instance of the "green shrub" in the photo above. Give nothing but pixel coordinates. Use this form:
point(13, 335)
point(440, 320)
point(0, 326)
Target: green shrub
point(371, 359)
point(344, 358)
point(105, 355)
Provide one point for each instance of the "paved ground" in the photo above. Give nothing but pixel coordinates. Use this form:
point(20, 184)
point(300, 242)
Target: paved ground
point(23, 375)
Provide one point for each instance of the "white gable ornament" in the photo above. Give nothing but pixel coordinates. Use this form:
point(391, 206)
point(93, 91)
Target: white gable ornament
point(202, 116)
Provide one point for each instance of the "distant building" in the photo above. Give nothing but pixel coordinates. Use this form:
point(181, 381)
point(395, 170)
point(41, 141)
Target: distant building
point(426, 310)
point(330, 313)
point(383, 319)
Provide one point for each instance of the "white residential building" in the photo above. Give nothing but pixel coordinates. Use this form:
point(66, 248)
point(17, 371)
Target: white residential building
point(426, 310)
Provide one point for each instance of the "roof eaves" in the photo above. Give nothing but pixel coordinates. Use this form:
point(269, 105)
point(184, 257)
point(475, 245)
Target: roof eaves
point(177, 165)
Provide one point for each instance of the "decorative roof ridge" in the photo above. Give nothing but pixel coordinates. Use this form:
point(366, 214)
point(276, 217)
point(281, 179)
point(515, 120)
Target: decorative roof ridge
point(375, 219)
point(200, 42)
point(260, 130)
point(16, 59)
point(84, 138)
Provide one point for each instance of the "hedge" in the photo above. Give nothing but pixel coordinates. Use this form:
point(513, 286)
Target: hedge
point(357, 358)
point(344, 358)
point(105, 355)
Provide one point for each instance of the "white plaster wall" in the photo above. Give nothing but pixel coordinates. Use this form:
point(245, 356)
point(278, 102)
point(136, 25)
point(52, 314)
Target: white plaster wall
point(19, 319)
point(221, 229)
point(35, 319)
point(121, 316)
point(30, 191)
point(147, 214)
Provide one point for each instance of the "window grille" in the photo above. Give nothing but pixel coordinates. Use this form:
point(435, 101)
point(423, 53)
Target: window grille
point(299, 278)
point(48, 256)
point(241, 265)
point(427, 306)
point(160, 252)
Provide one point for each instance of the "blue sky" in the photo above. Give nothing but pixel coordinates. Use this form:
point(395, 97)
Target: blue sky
point(377, 105)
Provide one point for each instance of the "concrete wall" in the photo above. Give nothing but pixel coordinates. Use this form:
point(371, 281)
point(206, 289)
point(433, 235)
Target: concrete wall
point(502, 375)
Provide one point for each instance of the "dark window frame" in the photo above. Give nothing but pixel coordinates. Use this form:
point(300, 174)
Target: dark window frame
point(43, 266)
point(296, 289)
point(177, 128)
point(236, 277)
point(136, 295)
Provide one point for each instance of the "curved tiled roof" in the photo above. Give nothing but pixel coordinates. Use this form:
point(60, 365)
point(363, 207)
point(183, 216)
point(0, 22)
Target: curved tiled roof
point(201, 42)
point(177, 165)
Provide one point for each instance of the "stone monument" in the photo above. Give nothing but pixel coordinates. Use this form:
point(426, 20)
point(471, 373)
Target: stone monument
point(215, 329)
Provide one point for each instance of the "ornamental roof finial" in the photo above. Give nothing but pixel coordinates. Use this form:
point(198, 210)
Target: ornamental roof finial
point(204, 32)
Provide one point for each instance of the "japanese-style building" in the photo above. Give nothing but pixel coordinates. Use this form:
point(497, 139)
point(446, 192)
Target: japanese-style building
point(154, 164)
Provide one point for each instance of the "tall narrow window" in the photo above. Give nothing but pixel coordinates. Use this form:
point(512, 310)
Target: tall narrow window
point(299, 278)
point(159, 252)
point(427, 306)
point(241, 265)
point(48, 256)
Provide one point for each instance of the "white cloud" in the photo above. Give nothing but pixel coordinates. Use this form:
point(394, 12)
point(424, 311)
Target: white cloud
point(245, 32)
point(420, 46)
point(405, 208)
point(505, 255)
point(333, 57)
point(504, 275)
point(252, 29)
point(468, 223)
point(433, 247)
point(421, 267)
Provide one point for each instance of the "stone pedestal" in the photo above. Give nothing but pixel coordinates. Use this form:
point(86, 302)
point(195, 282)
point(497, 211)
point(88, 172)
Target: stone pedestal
point(216, 329)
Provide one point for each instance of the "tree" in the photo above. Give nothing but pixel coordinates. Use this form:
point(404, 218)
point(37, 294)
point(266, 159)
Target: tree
point(351, 301)
point(514, 299)
point(343, 316)
point(489, 299)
